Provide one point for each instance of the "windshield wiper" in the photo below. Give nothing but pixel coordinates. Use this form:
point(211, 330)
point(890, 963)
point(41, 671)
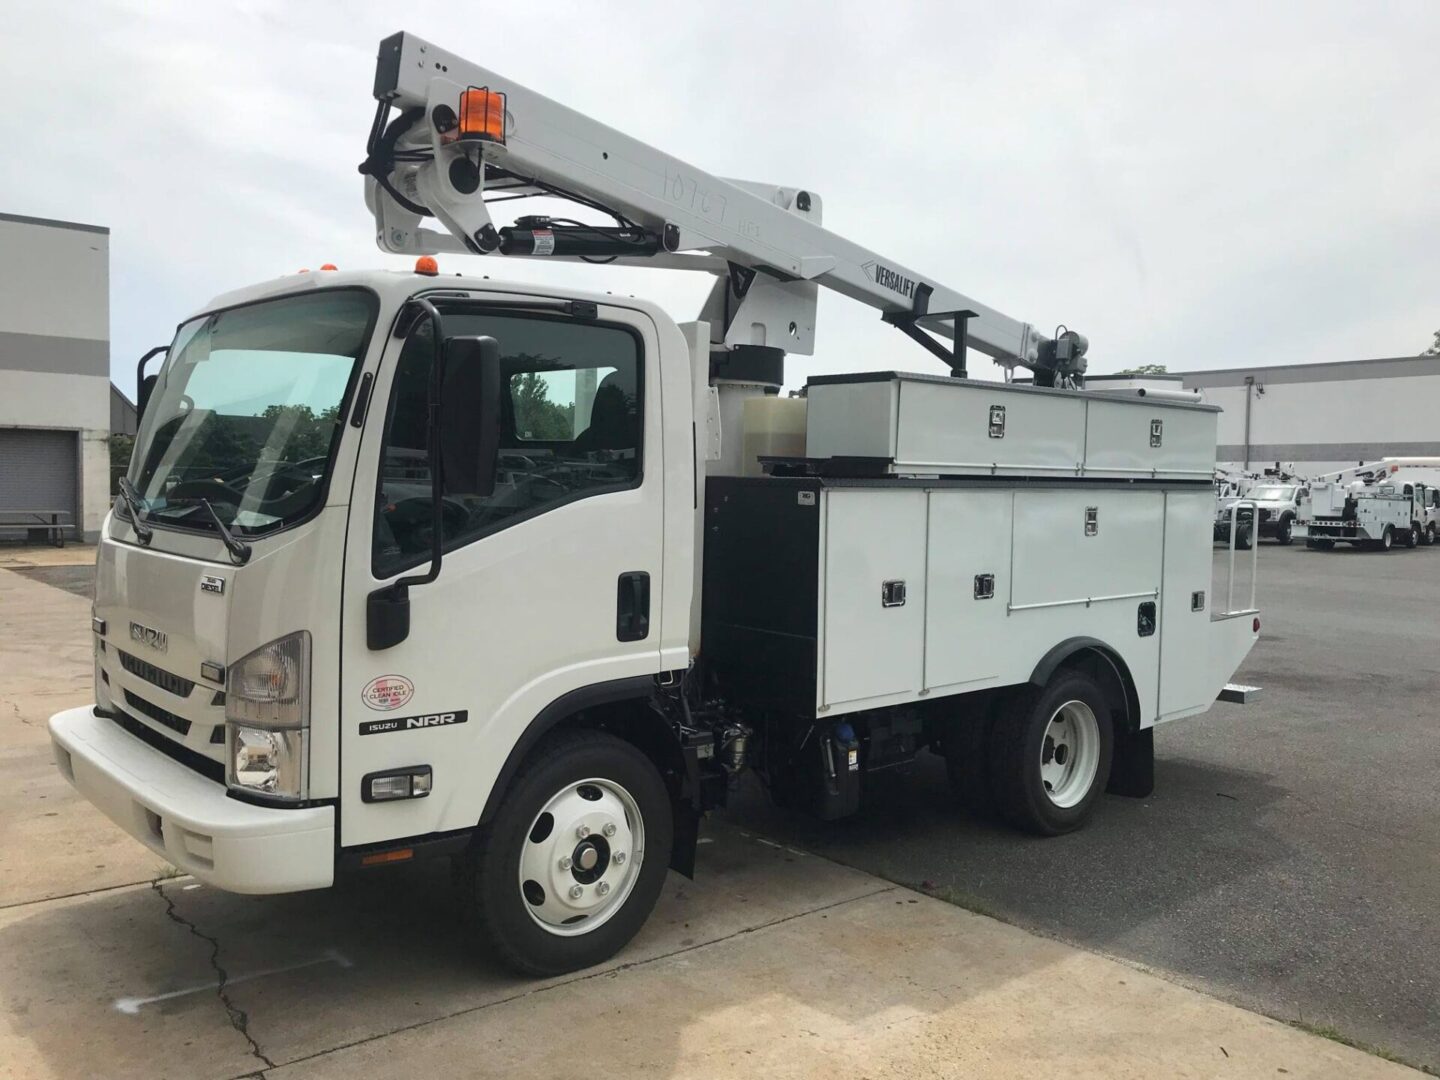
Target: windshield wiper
point(143, 532)
point(239, 550)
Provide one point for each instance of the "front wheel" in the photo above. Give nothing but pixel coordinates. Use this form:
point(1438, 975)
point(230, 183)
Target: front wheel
point(1412, 537)
point(1428, 537)
point(575, 858)
point(1050, 754)
point(1285, 531)
point(1244, 537)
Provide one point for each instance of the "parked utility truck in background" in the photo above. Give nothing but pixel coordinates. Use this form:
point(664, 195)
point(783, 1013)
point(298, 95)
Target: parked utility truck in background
point(408, 564)
point(1378, 515)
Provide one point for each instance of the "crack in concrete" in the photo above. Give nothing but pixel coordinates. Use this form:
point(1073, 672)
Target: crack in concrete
point(239, 1019)
point(579, 978)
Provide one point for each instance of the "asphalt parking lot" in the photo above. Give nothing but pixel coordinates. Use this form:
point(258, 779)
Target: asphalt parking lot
point(1272, 868)
point(1289, 859)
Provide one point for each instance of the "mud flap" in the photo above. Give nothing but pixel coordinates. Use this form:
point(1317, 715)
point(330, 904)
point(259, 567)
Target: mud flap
point(1132, 766)
point(686, 837)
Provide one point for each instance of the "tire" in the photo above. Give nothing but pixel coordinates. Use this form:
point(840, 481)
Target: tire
point(1412, 536)
point(1321, 545)
point(1387, 539)
point(1285, 531)
point(1244, 538)
point(966, 747)
point(565, 773)
point(1034, 791)
point(1429, 536)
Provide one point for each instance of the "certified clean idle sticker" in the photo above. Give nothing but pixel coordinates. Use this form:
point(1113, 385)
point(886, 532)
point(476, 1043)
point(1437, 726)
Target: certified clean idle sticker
point(387, 692)
point(414, 723)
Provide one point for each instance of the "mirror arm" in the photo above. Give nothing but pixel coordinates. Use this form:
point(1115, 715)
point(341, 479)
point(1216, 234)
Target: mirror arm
point(437, 488)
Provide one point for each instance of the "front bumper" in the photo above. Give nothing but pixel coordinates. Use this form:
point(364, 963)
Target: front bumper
point(188, 819)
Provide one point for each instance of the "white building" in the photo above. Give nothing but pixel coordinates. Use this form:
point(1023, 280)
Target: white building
point(1317, 417)
point(54, 371)
point(1323, 417)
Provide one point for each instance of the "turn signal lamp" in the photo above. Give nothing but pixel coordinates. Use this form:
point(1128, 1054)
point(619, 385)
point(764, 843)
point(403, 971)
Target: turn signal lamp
point(427, 265)
point(328, 266)
point(482, 115)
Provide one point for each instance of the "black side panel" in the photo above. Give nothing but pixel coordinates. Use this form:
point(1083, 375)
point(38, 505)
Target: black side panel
point(387, 66)
point(760, 595)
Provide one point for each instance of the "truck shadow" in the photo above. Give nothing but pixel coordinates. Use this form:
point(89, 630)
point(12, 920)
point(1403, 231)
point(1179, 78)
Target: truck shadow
point(1139, 865)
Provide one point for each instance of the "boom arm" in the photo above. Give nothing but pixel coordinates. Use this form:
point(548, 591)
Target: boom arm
point(466, 136)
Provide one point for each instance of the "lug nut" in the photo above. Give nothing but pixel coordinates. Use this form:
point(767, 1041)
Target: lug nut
point(602, 888)
point(576, 892)
point(564, 862)
point(619, 858)
point(583, 831)
point(609, 829)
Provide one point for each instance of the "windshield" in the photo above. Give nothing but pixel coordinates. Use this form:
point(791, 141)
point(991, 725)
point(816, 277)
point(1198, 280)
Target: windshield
point(1271, 494)
point(246, 412)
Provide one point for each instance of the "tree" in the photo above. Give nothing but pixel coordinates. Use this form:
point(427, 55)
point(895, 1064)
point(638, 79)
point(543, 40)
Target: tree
point(537, 418)
point(1144, 369)
point(1434, 349)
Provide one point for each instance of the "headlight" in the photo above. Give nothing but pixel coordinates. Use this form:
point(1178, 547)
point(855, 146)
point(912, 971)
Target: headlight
point(267, 719)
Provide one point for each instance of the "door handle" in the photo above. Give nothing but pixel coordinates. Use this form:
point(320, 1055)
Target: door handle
point(632, 606)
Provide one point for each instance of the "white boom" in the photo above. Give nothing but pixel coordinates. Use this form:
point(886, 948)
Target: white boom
point(444, 157)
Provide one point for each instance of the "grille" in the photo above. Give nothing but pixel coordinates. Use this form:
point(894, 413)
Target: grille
point(143, 669)
point(183, 754)
point(177, 724)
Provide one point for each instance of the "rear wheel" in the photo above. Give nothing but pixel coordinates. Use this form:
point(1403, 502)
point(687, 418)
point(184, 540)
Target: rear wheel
point(1050, 754)
point(574, 860)
point(1285, 531)
point(1387, 539)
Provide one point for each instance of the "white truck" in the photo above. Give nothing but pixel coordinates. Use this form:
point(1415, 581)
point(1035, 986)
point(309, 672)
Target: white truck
point(1377, 515)
point(409, 565)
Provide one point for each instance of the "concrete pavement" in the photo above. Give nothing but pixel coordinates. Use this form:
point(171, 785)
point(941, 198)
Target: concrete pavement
point(1289, 859)
point(773, 963)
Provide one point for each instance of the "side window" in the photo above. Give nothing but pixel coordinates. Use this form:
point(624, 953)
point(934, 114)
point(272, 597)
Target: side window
point(571, 416)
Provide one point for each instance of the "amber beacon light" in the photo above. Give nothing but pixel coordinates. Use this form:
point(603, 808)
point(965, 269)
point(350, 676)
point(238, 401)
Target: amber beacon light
point(482, 115)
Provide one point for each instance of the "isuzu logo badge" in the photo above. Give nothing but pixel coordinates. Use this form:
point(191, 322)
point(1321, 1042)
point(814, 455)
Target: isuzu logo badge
point(146, 636)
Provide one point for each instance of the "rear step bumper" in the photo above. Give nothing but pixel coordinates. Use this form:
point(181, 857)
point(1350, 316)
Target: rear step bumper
point(188, 819)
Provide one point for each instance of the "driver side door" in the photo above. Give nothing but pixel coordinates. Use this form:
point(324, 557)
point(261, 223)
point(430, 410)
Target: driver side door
point(546, 583)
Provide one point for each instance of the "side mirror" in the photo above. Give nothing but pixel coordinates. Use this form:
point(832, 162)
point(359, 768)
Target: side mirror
point(145, 384)
point(470, 415)
point(143, 392)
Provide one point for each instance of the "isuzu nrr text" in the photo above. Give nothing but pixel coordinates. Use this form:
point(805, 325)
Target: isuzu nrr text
point(411, 564)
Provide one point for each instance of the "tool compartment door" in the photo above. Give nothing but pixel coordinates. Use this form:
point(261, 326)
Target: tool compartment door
point(966, 630)
point(1185, 682)
point(1085, 563)
point(874, 639)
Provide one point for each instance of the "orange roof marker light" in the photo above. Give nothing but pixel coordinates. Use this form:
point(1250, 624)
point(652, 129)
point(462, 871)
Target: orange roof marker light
point(427, 265)
point(482, 115)
point(328, 266)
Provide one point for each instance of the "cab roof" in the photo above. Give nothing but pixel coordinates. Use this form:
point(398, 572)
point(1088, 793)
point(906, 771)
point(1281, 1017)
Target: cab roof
point(395, 286)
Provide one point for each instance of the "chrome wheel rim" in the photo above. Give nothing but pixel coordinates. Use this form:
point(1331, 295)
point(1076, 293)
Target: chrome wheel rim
point(581, 857)
point(1070, 754)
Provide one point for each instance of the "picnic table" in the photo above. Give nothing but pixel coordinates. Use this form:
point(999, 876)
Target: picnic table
point(52, 522)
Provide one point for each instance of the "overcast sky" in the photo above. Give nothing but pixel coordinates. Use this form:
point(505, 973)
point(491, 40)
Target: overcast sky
point(1204, 184)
